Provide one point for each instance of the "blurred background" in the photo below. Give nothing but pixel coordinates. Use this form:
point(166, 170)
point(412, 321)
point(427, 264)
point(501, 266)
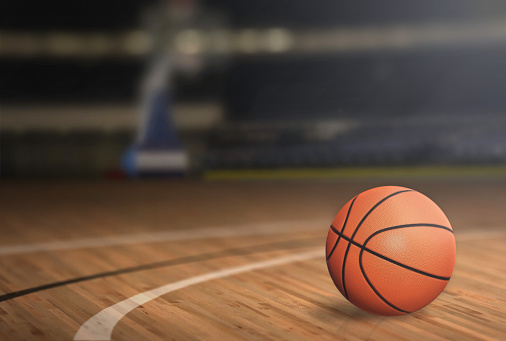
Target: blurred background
point(264, 85)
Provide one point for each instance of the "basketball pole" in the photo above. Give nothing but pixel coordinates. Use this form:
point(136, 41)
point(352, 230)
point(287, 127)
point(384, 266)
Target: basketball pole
point(158, 150)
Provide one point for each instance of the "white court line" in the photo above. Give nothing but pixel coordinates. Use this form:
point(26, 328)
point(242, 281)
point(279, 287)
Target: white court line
point(101, 325)
point(202, 233)
point(153, 237)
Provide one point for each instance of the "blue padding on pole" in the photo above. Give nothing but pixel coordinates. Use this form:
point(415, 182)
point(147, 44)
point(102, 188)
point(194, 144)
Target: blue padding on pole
point(160, 131)
point(128, 161)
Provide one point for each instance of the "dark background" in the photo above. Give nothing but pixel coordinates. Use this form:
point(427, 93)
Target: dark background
point(422, 105)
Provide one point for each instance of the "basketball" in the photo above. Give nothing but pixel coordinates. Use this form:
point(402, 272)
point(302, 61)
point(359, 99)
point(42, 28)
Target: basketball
point(390, 250)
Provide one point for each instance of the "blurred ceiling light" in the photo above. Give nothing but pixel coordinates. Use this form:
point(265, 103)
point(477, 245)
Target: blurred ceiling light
point(137, 43)
point(16, 44)
point(251, 41)
point(400, 37)
point(367, 38)
point(278, 40)
point(189, 42)
point(63, 44)
point(248, 41)
point(99, 45)
point(220, 42)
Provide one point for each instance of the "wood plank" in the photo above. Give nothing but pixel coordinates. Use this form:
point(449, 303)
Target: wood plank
point(295, 301)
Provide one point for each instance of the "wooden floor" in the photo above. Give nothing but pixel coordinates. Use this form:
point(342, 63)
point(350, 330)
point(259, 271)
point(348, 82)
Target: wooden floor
point(177, 260)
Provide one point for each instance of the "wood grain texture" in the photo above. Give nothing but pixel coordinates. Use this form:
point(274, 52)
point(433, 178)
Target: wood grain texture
point(296, 301)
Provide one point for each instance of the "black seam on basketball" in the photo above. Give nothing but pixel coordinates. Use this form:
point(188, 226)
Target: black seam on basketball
point(406, 225)
point(365, 248)
point(356, 230)
point(342, 229)
point(372, 286)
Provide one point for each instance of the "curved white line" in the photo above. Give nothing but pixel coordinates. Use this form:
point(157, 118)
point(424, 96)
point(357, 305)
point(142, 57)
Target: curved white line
point(153, 237)
point(100, 326)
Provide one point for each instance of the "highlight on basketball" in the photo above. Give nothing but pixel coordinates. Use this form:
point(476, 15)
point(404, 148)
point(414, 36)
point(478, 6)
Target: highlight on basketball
point(253, 170)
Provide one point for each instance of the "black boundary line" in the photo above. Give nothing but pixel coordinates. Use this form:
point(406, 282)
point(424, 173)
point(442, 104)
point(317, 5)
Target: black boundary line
point(342, 229)
point(356, 230)
point(253, 249)
point(421, 272)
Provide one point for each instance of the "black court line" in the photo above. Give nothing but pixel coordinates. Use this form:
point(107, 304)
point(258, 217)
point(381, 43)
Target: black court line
point(358, 227)
point(253, 249)
point(342, 229)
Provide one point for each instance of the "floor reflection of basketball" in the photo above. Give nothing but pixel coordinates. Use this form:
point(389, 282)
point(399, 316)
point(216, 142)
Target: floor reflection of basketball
point(390, 250)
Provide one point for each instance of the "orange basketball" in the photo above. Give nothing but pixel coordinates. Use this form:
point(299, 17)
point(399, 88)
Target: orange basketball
point(390, 250)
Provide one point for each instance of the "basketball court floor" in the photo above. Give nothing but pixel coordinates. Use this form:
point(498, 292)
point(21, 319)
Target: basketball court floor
point(226, 260)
